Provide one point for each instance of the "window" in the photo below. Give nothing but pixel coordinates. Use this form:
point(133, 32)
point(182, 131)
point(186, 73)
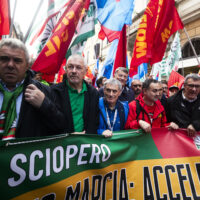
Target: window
point(187, 49)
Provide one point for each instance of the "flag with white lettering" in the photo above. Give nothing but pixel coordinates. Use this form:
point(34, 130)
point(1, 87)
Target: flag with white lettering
point(129, 165)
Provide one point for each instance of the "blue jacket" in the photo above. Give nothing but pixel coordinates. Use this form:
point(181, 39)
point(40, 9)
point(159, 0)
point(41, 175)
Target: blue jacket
point(122, 114)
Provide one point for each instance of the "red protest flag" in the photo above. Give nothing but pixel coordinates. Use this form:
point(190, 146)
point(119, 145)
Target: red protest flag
point(61, 72)
point(4, 17)
point(144, 38)
point(168, 23)
point(120, 58)
point(159, 22)
point(175, 79)
point(53, 53)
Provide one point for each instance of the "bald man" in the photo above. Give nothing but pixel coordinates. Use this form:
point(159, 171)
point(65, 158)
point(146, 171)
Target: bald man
point(78, 100)
point(136, 86)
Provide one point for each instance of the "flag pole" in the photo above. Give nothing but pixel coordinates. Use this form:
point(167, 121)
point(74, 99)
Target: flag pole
point(33, 20)
point(193, 49)
point(12, 19)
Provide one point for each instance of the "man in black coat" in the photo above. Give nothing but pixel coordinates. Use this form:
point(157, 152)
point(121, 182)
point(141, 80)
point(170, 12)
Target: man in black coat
point(25, 110)
point(77, 99)
point(183, 108)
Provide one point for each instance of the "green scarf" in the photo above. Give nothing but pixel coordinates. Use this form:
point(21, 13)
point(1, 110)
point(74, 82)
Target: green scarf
point(8, 111)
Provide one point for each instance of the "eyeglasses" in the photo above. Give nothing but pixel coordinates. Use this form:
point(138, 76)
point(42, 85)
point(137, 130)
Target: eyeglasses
point(6, 59)
point(192, 86)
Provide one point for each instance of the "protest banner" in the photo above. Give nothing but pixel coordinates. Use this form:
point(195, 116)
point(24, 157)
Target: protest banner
point(130, 165)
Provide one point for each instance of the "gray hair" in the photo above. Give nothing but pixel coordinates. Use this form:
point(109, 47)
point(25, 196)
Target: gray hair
point(113, 81)
point(193, 76)
point(77, 56)
point(123, 69)
point(14, 43)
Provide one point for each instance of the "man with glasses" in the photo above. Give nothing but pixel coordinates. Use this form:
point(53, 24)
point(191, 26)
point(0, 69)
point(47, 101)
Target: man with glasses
point(78, 99)
point(165, 88)
point(147, 111)
point(136, 86)
point(183, 108)
point(25, 110)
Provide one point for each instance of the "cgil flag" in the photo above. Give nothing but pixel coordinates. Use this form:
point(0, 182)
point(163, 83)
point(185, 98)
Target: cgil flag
point(159, 22)
point(53, 53)
point(112, 15)
point(4, 18)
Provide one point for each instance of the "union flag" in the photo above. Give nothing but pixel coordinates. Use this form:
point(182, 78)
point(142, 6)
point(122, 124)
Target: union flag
point(159, 22)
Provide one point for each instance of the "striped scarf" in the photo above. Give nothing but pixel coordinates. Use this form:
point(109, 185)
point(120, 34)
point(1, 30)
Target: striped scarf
point(8, 114)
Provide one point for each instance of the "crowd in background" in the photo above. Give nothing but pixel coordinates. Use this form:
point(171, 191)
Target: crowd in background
point(31, 107)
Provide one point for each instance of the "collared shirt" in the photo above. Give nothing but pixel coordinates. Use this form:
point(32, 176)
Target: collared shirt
point(77, 105)
point(184, 97)
point(18, 100)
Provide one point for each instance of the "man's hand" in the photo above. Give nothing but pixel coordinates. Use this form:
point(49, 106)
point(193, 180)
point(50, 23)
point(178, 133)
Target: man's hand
point(173, 126)
point(191, 130)
point(107, 133)
point(34, 96)
point(145, 126)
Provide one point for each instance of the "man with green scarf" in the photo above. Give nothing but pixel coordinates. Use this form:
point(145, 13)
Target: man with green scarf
point(27, 108)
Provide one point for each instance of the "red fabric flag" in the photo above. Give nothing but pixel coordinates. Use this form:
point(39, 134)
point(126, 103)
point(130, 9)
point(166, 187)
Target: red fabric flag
point(4, 18)
point(158, 23)
point(61, 72)
point(120, 58)
point(175, 79)
point(53, 53)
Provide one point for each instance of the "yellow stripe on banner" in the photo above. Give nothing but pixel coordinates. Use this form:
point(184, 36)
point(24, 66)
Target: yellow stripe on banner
point(149, 179)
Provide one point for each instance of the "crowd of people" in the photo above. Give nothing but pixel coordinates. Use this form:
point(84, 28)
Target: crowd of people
point(30, 108)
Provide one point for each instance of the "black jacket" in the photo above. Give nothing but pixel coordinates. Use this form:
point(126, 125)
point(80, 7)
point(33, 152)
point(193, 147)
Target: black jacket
point(183, 112)
point(90, 110)
point(43, 121)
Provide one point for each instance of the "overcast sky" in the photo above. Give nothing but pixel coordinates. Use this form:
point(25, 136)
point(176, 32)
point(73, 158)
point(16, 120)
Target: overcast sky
point(26, 9)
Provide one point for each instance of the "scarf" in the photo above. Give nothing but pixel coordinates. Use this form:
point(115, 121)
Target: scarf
point(8, 114)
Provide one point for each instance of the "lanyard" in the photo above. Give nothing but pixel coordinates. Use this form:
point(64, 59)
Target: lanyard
point(108, 119)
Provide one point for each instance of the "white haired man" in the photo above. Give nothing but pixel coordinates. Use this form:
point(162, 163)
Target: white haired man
point(113, 112)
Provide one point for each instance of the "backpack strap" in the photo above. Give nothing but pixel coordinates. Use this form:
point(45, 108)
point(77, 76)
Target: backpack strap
point(105, 121)
point(138, 110)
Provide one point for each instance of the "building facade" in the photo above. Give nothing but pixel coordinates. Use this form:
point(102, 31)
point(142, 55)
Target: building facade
point(189, 11)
